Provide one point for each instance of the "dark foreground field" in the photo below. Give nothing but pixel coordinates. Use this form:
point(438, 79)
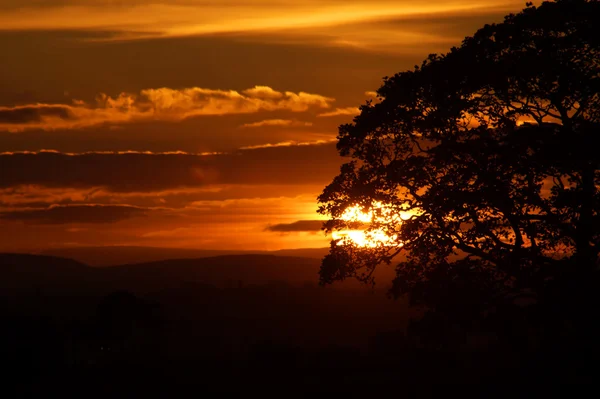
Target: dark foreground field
point(255, 323)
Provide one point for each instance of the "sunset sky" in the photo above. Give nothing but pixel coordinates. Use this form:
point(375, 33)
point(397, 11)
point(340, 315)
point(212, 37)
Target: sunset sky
point(205, 124)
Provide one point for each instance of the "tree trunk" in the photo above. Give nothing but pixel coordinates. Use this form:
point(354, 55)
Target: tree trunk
point(585, 252)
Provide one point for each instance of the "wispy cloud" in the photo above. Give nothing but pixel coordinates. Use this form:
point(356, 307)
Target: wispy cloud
point(359, 24)
point(279, 163)
point(208, 17)
point(311, 226)
point(164, 104)
point(349, 111)
point(290, 143)
point(65, 214)
point(277, 122)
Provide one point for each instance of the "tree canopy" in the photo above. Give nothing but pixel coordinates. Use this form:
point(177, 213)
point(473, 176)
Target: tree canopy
point(488, 152)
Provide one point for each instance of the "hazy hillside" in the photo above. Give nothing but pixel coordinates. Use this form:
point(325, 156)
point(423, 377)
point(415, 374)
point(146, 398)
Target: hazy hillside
point(22, 273)
point(38, 263)
point(221, 271)
point(26, 272)
point(188, 310)
point(119, 255)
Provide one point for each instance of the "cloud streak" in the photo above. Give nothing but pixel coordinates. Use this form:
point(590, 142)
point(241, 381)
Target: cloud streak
point(201, 17)
point(277, 123)
point(349, 111)
point(289, 143)
point(310, 226)
point(162, 104)
point(292, 163)
point(66, 214)
point(381, 26)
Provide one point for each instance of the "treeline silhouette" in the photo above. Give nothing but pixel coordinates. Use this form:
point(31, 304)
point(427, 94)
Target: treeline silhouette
point(256, 323)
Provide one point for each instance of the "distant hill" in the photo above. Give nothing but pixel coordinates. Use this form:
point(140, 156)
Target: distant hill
point(188, 314)
point(39, 263)
point(23, 272)
point(119, 255)
point(54, 274)
point(221, 271)
point(317, 253)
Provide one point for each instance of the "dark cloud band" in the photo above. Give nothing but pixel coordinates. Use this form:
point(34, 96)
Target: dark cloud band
point(75, 214)
point(146, 172)
point(311, 226)
point(33, 113)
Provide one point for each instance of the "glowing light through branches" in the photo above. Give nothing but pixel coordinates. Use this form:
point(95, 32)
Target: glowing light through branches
point(380, 224)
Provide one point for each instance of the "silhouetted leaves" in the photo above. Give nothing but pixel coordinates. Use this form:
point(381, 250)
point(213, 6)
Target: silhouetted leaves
point(490, 147)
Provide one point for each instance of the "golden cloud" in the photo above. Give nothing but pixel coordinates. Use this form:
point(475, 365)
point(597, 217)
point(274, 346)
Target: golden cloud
point(199, 17)
point(381, 26)
point(288, 144)
point(162, 104)
point(349, 111)
point(277, 122)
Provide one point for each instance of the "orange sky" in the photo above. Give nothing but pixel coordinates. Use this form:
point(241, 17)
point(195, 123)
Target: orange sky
point(193, 123)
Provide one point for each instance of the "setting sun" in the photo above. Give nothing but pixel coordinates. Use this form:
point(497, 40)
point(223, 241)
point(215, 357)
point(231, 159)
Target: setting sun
point(371, 235)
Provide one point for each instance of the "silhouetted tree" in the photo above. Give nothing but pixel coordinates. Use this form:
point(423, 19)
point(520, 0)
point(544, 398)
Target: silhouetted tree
point(488, 154)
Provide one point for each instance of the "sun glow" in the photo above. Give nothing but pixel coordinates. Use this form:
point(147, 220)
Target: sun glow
point(379, 221)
